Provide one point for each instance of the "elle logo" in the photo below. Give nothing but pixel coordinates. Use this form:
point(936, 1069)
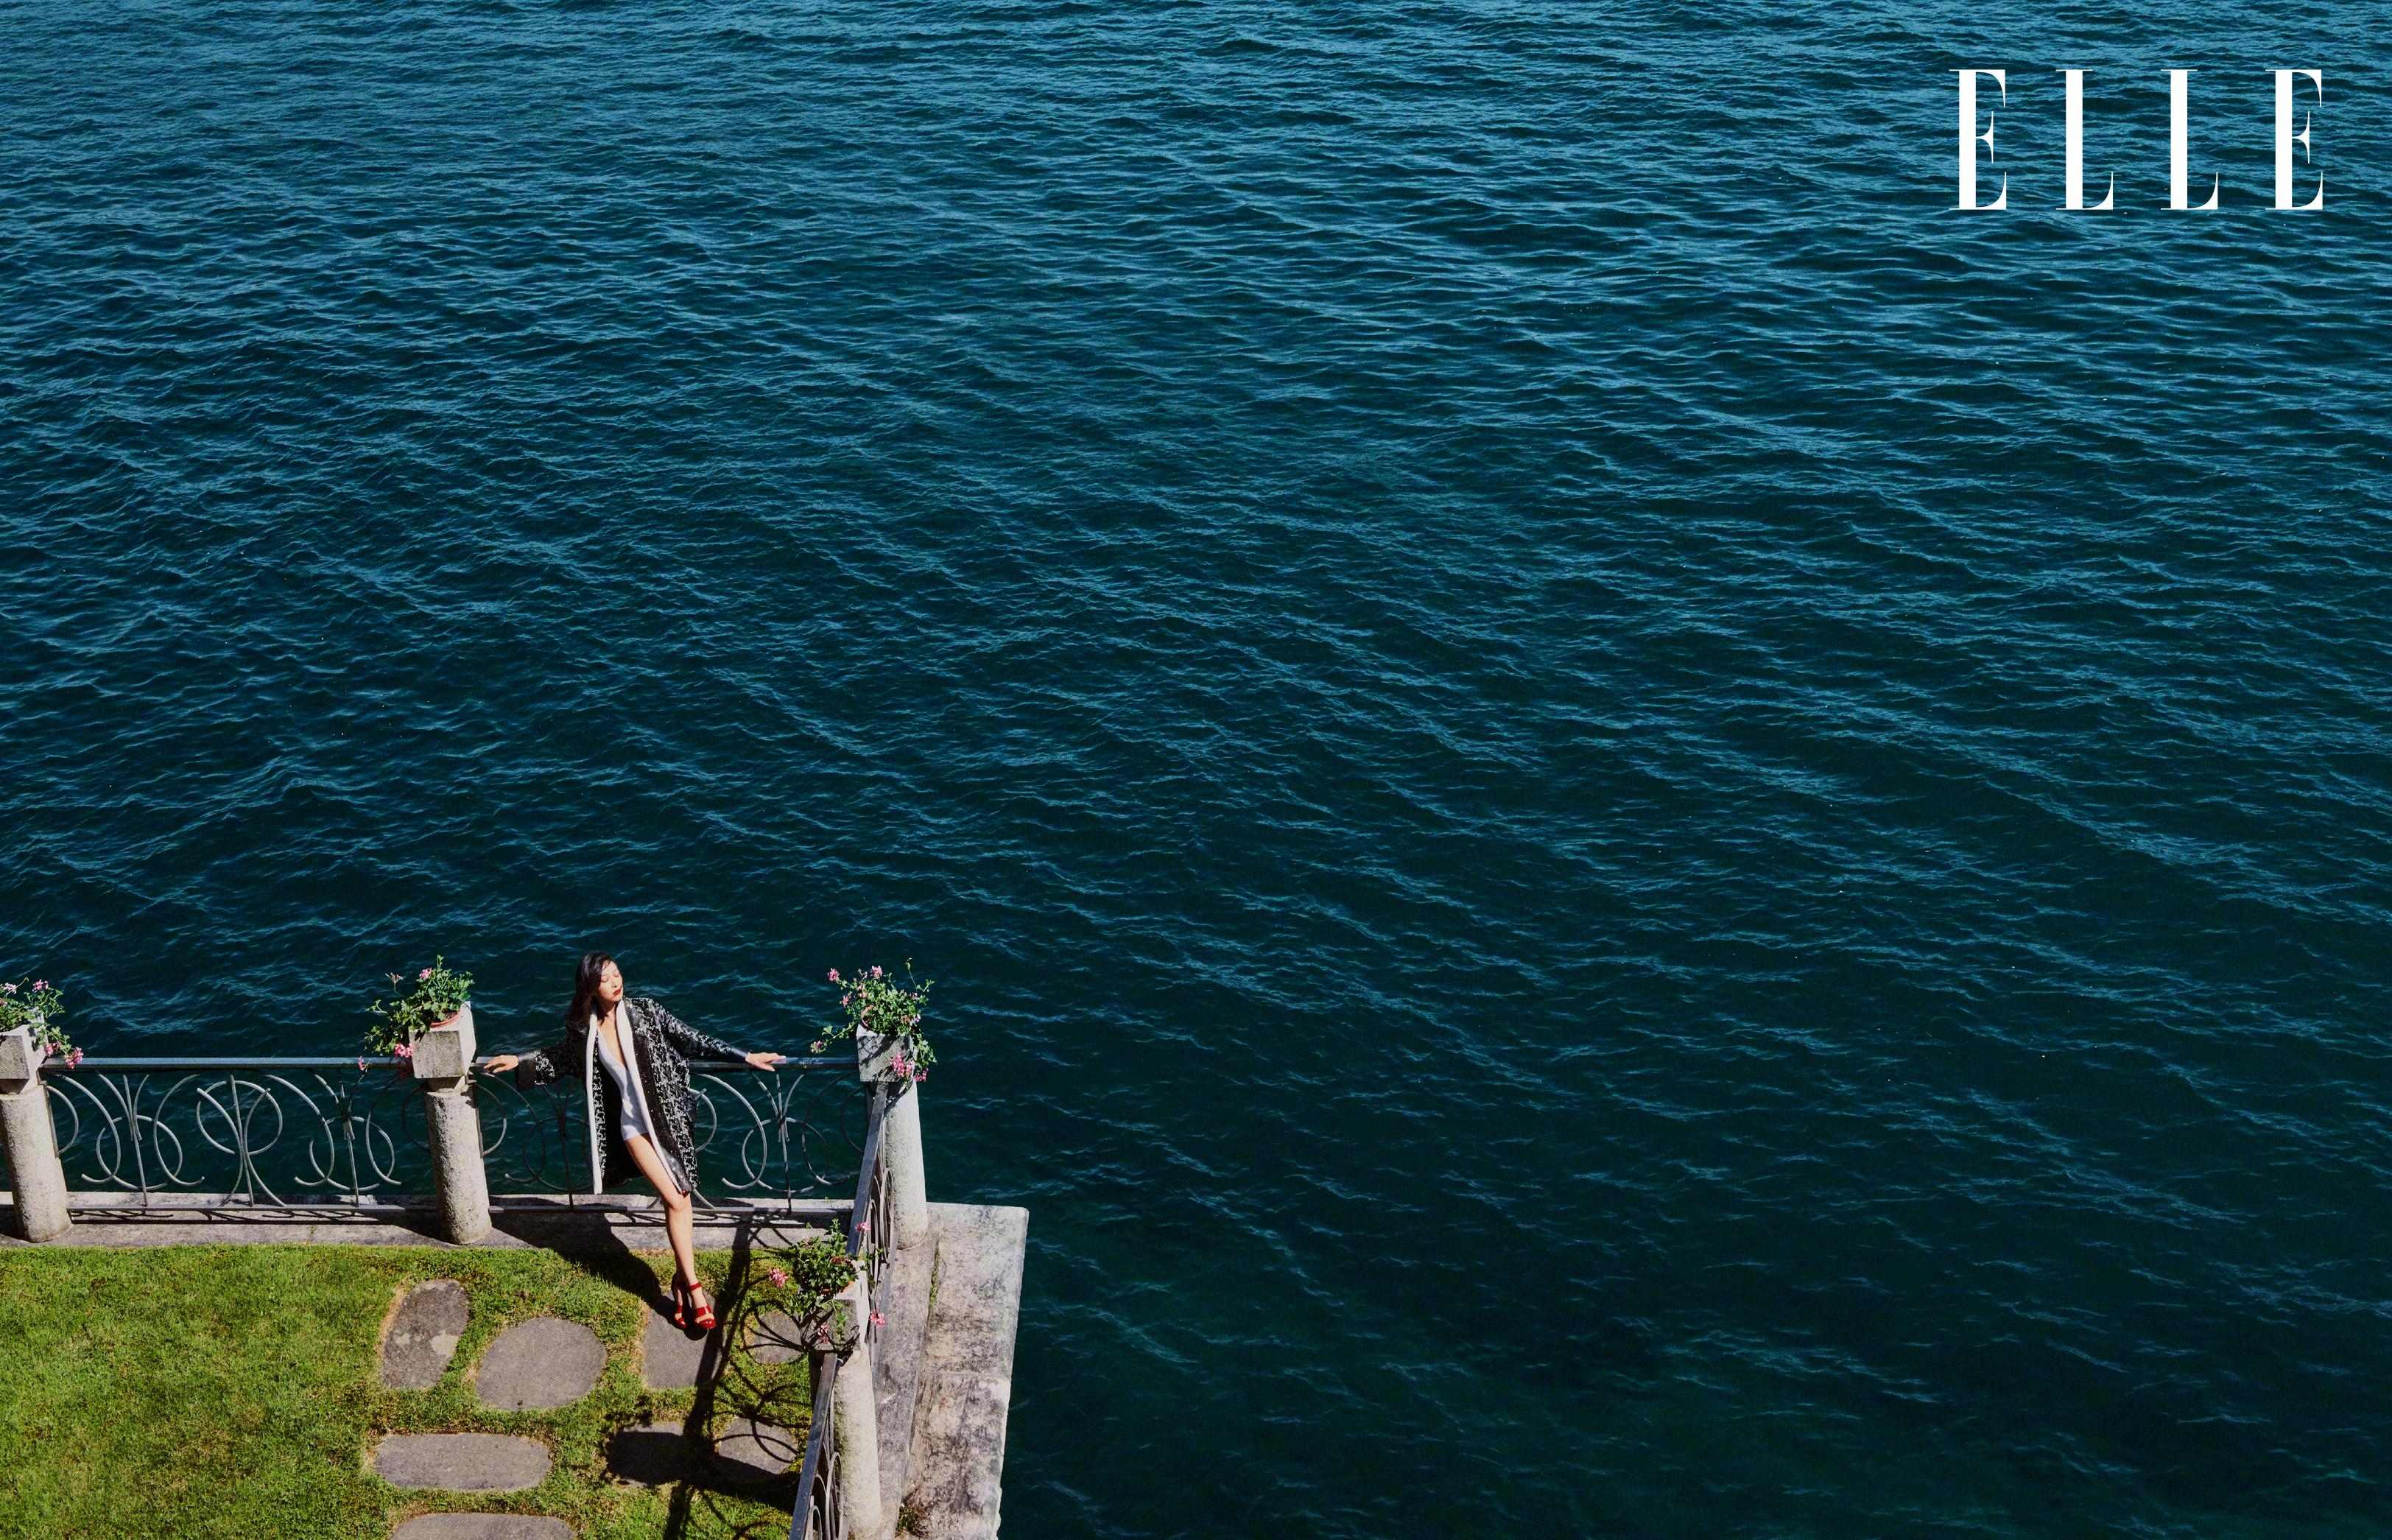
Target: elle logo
point(2179, 151)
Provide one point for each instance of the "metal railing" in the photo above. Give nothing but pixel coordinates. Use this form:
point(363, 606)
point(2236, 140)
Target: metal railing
point(815, 1513)
point(784, 1136)
point(871, 1236)
point(274, 1134)
point(345, 1138)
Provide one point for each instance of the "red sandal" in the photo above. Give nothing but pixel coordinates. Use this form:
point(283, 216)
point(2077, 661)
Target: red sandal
point(686, 1303)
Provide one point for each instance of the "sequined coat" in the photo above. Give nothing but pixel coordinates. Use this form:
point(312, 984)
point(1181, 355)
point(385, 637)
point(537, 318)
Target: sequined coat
point(662, 1047)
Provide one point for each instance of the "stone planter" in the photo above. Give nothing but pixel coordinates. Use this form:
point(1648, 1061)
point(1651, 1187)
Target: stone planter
point(20, 1058)
point(873, 1054)
point(444, 1052)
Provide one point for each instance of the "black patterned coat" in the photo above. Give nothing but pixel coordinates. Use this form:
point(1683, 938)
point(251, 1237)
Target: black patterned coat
point(661, 1046)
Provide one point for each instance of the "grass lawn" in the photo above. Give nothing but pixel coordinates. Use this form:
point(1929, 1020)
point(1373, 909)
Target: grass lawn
point(235, 1391)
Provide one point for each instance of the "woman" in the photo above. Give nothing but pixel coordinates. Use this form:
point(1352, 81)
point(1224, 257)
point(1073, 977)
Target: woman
point(639, 1107)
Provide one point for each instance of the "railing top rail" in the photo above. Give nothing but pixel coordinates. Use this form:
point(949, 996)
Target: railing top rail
point(818, 1453)
point(861, 1214)
point(89, 1065)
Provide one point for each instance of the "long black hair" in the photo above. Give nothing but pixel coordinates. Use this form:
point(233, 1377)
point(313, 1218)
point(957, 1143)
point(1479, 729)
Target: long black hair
point(585, 987)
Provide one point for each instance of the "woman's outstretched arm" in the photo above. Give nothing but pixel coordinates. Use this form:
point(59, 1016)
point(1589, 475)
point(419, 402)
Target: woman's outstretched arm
point(535, 1068)
point(695, 1044)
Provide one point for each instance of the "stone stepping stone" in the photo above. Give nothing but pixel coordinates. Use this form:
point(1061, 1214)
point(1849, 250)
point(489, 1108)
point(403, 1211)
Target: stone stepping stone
point(423, 1335)
point(652, 1454)
point(539, 1364)
point(483, 1526)
point(752, 1450)
point(774, 1337)
point(670, 1357)
point(461, 1462)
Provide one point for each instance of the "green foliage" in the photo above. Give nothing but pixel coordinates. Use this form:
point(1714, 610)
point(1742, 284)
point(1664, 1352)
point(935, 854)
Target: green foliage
point(231, 1392)
point(38, 1004)
point(806, 1280)
point(438, 994)
point(874, 1001)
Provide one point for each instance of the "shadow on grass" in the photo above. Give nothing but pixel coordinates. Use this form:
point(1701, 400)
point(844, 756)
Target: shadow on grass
point(593, 1244)
point(706, 1496)
point(707, 1492)
point(732, 1386)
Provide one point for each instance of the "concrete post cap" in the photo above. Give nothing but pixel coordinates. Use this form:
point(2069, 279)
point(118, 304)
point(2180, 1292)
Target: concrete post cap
point(872, 1051)
point(445, 1052)
point(19, 1059)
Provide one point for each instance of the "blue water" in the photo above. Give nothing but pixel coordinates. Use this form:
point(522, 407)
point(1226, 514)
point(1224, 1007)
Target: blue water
point(1623, 830)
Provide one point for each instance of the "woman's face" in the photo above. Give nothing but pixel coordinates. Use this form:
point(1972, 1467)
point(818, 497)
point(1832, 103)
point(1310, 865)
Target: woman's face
point(610, 984)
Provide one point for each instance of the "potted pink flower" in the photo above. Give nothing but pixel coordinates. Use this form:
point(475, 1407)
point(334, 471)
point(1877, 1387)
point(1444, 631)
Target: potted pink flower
point(36, 1005)
point(807, 1280)
point(885, 1018)
point(437, 997)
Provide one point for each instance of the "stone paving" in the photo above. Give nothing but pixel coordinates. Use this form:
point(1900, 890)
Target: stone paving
point(536, 1365)
point(461, 1462)
point(546, 1362)
point(903, 1301)
point(651, 1453)
point(671, 1356)
point(656, 1453)
point(423, 1334)
point(752, 1450)
point(539, 1364)
point(484, 1526)
point(956, 1488)
point(774, 1337)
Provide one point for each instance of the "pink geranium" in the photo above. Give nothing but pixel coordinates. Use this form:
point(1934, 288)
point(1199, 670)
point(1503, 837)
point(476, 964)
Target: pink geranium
point(877, 1004)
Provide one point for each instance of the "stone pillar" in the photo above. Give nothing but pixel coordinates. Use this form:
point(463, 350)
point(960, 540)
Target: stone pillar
point(901, 1143)
point(39, 1180)
point(443, 1061)
point(855, 1422)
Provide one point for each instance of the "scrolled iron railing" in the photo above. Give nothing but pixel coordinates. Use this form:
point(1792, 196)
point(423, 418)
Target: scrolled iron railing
point(815, 1514)
point(342, 1138)
point(781, 1136)
point(274, 1134)
point(869, 1236)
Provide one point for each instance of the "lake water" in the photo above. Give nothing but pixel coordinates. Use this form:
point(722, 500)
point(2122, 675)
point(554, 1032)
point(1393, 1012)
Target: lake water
point(1622, 831)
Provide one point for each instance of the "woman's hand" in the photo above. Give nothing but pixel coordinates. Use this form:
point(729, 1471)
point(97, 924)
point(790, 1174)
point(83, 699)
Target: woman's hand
point(501, 1063)
point(765, 1060)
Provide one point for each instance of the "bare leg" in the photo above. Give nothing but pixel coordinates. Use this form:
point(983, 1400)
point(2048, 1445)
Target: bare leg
point(679, 1228)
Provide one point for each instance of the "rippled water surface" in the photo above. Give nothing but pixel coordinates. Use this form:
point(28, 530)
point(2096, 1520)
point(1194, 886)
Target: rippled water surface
point(1623, 830)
